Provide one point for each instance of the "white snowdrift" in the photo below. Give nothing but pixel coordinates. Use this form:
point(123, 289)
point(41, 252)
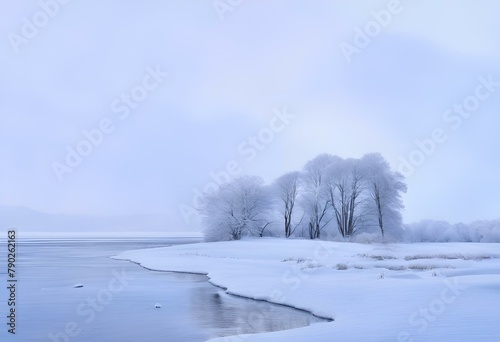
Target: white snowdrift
point(379, 292)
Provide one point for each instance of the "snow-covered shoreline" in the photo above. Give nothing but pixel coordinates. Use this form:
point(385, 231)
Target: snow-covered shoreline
point(374, 292)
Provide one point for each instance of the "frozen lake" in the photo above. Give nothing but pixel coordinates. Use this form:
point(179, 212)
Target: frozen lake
point(117, 300)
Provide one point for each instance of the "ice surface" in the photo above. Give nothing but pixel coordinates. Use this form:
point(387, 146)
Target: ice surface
point(117, 301)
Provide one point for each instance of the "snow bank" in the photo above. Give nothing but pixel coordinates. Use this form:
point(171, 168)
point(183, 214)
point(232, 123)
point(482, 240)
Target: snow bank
point(376, 292)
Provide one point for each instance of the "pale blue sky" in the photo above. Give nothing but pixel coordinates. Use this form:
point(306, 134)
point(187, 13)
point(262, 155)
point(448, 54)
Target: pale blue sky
point(225, 79)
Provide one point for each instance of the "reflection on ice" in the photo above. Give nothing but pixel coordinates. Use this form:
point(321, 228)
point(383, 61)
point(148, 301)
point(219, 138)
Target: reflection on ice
point(230, 315)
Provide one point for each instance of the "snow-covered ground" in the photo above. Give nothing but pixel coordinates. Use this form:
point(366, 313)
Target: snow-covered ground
point(374, 292)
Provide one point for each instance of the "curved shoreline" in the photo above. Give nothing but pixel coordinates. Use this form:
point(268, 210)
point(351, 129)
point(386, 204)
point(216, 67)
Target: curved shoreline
point(209, 280)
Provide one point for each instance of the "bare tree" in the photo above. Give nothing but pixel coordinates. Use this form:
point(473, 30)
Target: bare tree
point(286, 188)
point(316, 209)
point(344, 189)
point(238, 208)
point(384, 189)
point(315, 200)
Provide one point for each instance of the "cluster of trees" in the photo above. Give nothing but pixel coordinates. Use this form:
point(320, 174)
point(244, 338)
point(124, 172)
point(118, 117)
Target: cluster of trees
point(328, 195)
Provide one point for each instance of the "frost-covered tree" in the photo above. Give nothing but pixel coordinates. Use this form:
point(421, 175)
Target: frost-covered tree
point(238, 208)
point(353, 193)
point(315, 201)
point(344, 186)
point(384, 190)
point(286, 189)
